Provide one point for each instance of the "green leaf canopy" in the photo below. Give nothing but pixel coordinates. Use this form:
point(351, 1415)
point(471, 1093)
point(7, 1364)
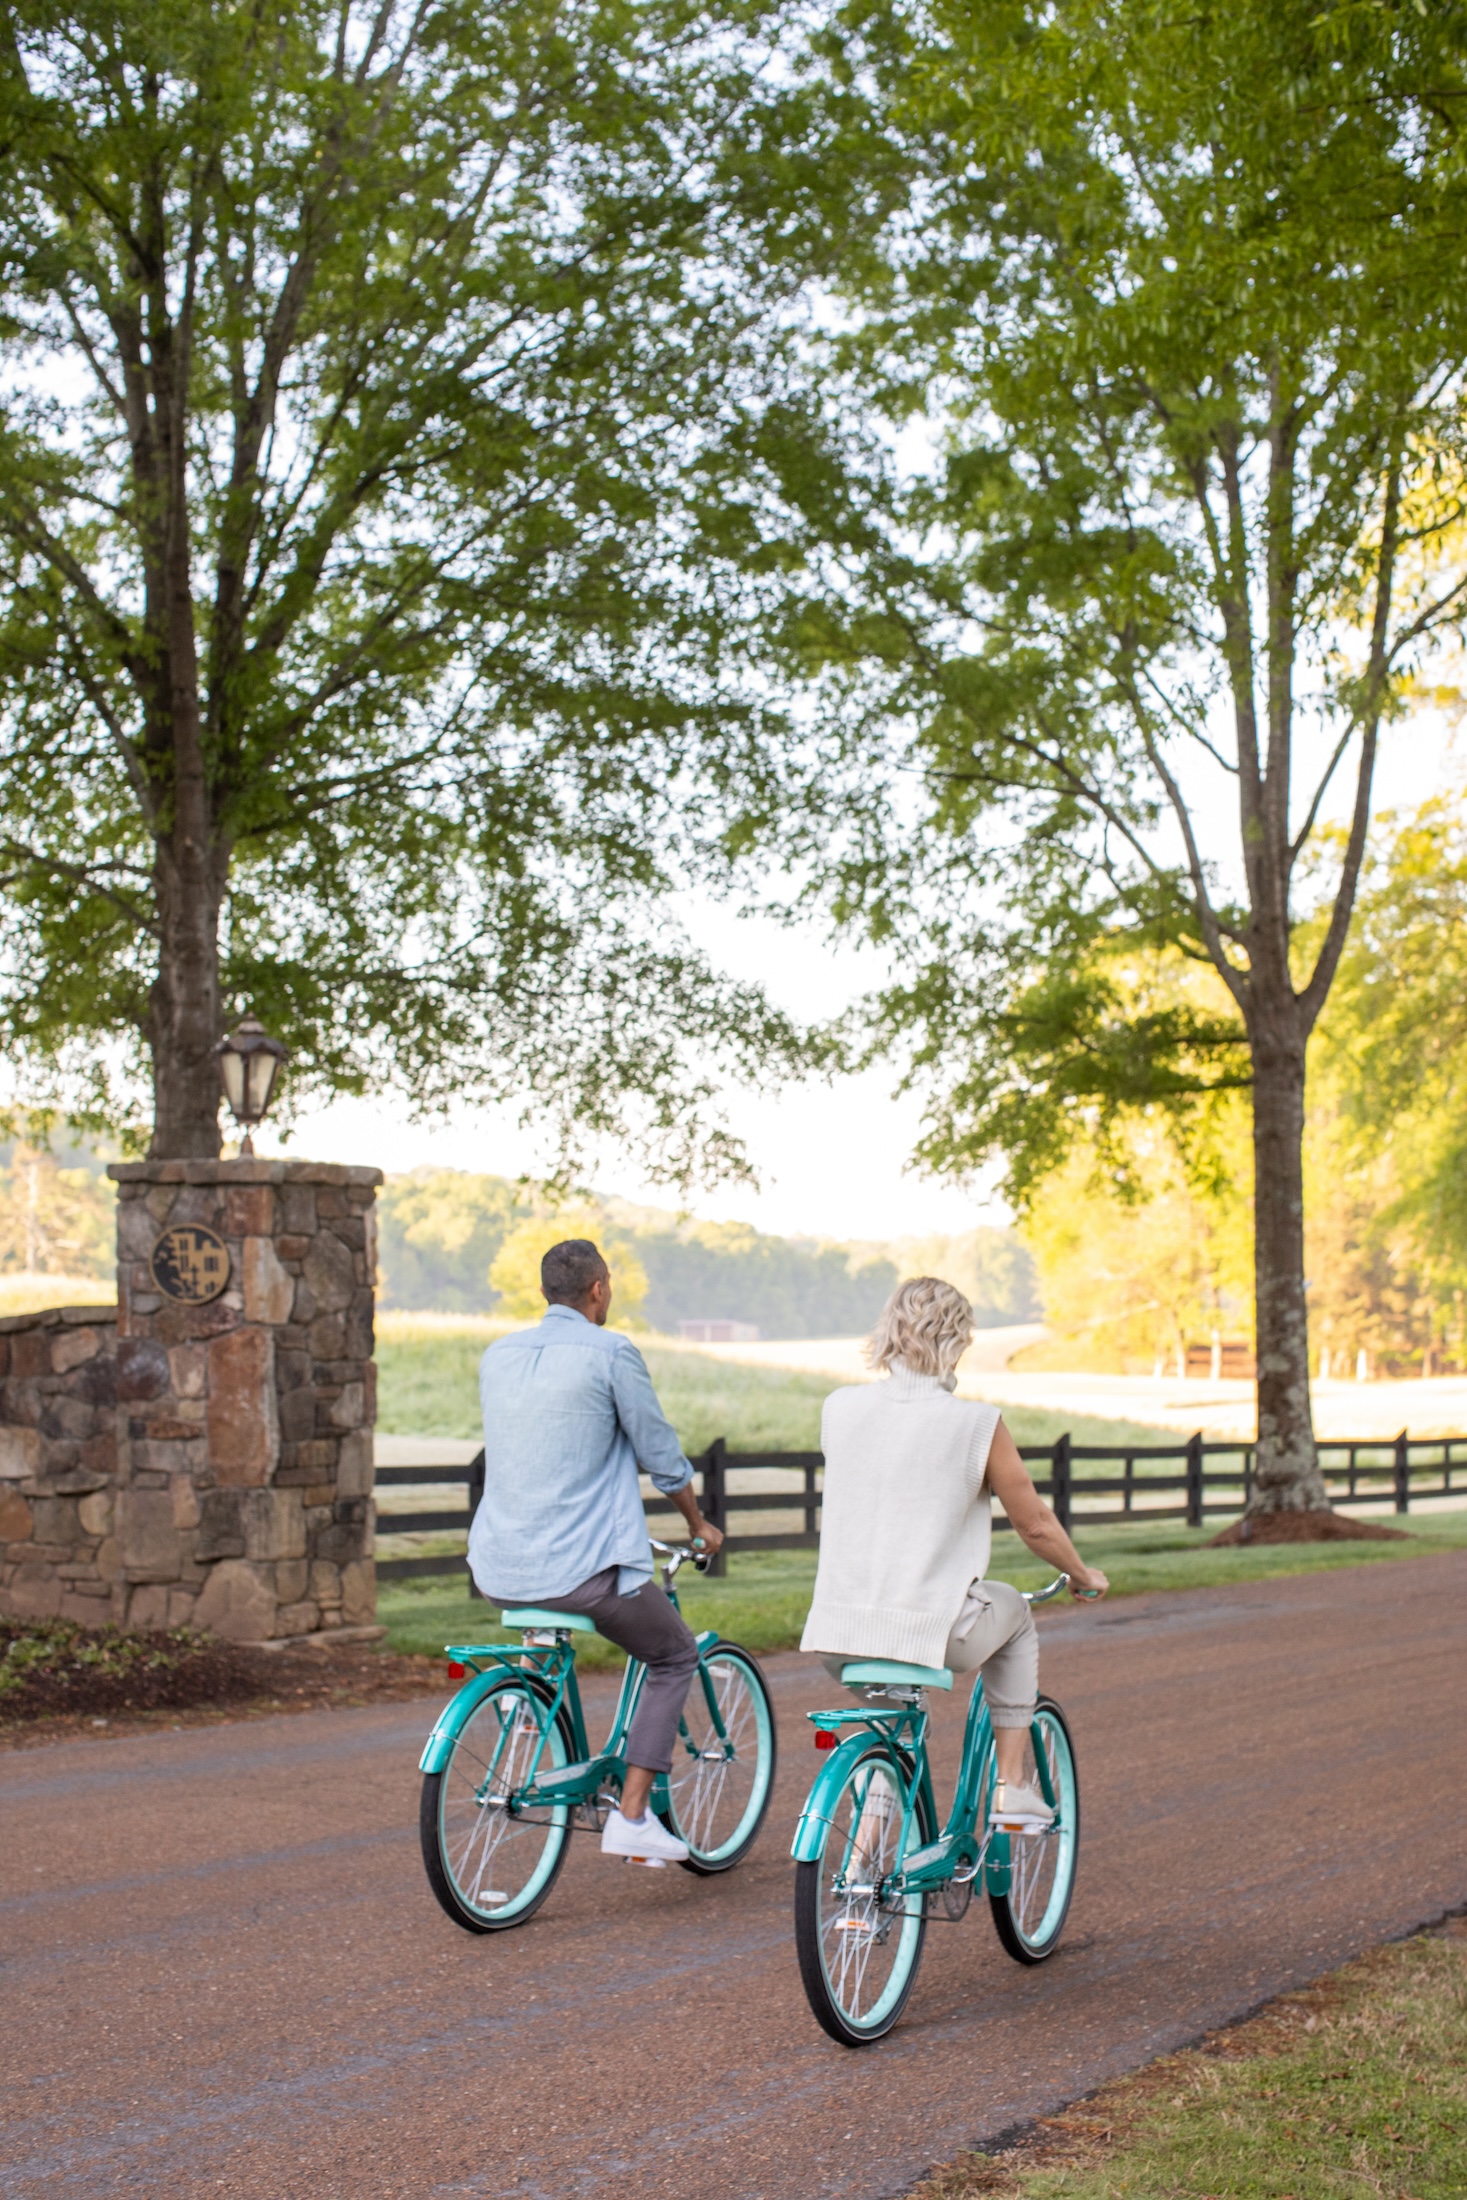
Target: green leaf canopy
point(372, 384)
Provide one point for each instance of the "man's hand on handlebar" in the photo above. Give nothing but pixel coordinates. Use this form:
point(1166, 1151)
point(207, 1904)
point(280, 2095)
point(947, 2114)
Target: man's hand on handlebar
point(687, 1505)
point(1084, 1587)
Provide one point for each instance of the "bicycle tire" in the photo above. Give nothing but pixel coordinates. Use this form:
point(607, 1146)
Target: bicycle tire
point(832, 1928)
point(702, 1811)
point(458, 1846)
point(1029, 1915)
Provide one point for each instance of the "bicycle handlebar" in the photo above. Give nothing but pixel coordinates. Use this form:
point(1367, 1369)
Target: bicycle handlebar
point(1061, 1581)
point(1042, 1596)
point(678, 1554)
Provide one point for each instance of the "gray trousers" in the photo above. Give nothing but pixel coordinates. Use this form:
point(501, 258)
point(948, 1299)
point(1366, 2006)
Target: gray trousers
point(994, 1634)
point(648, 1627)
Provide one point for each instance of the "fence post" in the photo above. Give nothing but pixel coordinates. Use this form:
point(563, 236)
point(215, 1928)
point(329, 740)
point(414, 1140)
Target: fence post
point(476, 1492)
point(1194, 1480)
point(713, 1506)
point(1403, 1473)
point(1059, 1487)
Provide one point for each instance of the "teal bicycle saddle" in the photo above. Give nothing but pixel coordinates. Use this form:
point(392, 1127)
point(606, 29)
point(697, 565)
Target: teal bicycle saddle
point(886, 1672)
point(529, 1615)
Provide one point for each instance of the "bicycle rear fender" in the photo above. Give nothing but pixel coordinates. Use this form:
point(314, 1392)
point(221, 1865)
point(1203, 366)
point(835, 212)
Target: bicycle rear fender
point(822, 1798)
point(454, 1717)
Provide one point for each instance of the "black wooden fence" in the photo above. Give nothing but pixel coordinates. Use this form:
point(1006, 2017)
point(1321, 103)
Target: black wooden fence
point(1193, 1481)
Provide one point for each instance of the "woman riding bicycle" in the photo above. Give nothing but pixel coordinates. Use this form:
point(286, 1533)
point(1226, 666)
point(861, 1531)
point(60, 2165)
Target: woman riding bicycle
point(910, 1474)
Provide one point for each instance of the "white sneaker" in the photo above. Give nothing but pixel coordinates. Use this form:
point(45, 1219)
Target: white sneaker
point(645, 1840)
point(1022, 1808)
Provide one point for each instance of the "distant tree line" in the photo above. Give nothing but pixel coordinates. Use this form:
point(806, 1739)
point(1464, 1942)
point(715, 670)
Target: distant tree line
point(441, 1230)
point(56, 1213)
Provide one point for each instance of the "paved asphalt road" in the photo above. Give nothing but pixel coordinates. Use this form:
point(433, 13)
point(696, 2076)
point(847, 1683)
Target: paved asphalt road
point(223, 1972)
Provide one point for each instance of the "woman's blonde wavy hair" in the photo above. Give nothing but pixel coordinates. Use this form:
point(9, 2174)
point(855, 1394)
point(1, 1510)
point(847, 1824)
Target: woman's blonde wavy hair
point(926, 1325)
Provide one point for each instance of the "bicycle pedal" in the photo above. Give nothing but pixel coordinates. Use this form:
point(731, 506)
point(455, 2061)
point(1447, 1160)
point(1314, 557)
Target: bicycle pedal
point(650, 1863)
point(855, 1925)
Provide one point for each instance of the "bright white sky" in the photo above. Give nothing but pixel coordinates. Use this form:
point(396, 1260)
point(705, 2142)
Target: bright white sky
point(832, 1161)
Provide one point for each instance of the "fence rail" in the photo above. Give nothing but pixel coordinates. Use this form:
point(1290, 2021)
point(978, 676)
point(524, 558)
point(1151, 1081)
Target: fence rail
point(1212, 1479)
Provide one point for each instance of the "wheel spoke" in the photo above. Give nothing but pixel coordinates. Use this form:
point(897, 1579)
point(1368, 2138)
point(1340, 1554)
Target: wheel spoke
point(719, 1784)
point(1031, 1914)
point(868, 1946)
point(496, 1858)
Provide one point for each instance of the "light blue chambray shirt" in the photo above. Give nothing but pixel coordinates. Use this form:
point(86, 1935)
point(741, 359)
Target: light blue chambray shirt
point(569, 1416)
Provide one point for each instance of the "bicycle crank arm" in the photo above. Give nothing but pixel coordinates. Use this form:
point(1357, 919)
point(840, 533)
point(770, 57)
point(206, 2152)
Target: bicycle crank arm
point(927, 1869)
point(570, 1784)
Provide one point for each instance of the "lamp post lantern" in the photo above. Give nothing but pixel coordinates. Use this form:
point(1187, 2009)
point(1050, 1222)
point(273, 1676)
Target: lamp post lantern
point(249, 1063)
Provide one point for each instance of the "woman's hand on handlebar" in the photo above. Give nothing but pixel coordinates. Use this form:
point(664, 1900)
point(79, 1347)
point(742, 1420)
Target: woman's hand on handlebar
point(1086, 1584)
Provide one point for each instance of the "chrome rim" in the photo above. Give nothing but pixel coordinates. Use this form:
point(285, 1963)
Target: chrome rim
point(497, 1857)
point(718, 1781)
point(867, 1945)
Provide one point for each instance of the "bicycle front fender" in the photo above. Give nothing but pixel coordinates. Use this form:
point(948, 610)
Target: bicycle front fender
point(453, 1718)
point(821, 1801)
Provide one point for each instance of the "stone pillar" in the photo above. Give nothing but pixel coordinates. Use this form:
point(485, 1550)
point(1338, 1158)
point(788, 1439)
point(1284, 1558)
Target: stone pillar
point(246, 1397)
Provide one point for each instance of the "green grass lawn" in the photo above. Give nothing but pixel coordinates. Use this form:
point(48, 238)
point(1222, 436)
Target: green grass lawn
point(428, 1385)
point(1356, 2087)
point(763, 1599)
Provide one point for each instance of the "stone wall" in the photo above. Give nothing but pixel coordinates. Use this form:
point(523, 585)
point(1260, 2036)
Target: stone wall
point(229, 1479)
point(58, 1465)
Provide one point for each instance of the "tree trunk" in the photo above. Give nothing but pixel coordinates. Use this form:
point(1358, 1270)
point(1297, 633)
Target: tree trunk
point(184, 1017)
point(191, 863)
point(1287, 1477)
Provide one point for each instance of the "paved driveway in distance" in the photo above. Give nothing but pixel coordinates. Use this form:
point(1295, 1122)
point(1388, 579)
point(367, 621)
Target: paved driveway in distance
point(223, 1973)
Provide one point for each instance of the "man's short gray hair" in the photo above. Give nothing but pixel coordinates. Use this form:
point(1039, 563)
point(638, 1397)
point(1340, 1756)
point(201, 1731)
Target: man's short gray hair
point(569, 1269)
point(926, 1325)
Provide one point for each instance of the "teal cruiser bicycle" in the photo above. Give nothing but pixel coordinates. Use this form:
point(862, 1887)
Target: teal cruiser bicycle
point(872, 1868)
point(508, 1773)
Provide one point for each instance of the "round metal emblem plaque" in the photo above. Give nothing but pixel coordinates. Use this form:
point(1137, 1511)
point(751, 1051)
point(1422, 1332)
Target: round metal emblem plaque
point(190, 1263)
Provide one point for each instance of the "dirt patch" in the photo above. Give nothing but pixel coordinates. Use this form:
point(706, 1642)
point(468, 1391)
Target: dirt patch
point(1306, 1527)
point(109, 1681)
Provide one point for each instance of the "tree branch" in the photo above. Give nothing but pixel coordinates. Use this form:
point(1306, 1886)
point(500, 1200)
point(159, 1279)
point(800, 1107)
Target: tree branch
point(1316, 992)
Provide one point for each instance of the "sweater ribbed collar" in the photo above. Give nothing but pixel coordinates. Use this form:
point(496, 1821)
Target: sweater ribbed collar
point(905, 1382)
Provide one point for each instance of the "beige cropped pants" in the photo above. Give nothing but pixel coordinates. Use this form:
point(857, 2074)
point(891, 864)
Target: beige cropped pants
point(994, 1634)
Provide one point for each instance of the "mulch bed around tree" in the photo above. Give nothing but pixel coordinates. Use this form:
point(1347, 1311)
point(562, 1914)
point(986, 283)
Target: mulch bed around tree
point(58, 1678)
point(1306, 1527)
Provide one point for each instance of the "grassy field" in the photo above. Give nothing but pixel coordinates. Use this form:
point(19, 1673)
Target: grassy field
point(1357, 2086)
point(428, 1385)
point(763, 1599)
point(427, 1373)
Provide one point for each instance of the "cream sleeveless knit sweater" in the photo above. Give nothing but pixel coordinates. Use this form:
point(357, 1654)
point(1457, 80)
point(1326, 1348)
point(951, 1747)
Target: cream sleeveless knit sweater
point(905, 1523)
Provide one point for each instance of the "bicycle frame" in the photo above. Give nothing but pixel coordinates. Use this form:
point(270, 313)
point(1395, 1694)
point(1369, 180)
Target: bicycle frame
point(902, 1728)
point(553, 1663)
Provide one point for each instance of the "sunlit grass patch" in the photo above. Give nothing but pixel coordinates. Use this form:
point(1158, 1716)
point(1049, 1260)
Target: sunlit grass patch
point(428, 1385)
point(1357, 2086)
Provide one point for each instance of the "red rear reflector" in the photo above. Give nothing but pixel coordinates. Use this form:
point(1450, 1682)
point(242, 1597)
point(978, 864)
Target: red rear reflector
point(457, 1672)
point(824, 1739)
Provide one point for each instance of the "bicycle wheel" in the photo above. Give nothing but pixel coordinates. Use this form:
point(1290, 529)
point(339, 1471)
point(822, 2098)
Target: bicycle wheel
point(1030, 1915)
point(719, 1785)
point(859, 1955)
point(489, 1864)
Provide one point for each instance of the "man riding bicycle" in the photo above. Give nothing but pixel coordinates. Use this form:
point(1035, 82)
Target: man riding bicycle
point(569, 1416)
